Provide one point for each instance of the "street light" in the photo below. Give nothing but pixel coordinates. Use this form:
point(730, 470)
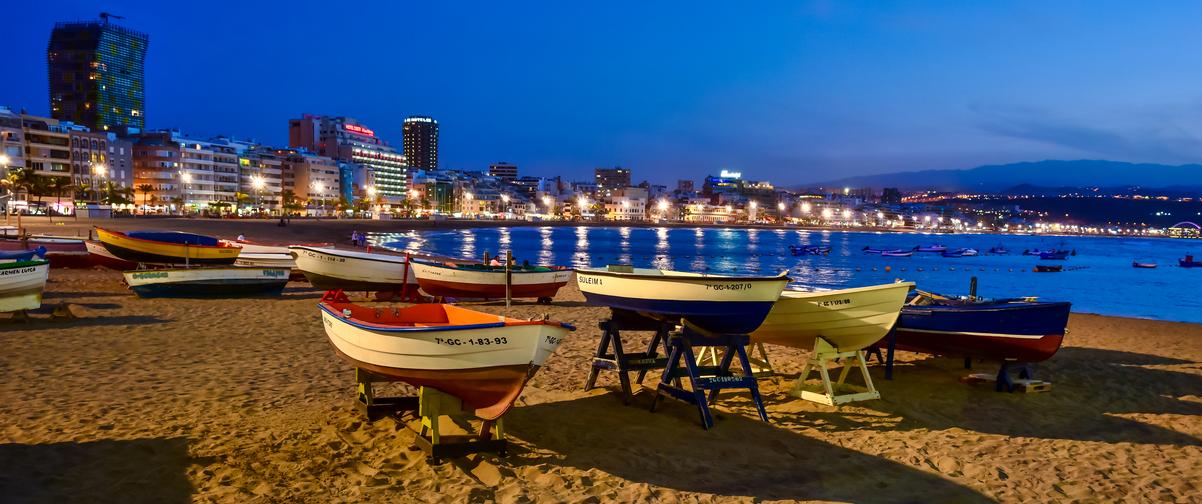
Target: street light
point(320, 188)
point(826, 213)
point(98, 170)
point(805, 209)
point(187, 179)
point(258, 183)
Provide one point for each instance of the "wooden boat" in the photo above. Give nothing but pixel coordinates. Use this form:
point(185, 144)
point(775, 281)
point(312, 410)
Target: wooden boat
point(353, 270)
point(848, 319)
point(893, 253)
point(1006, 329)
point(799, 250)
point(1040, 268)
point(254, 247)
point(208, 281)
point(102, 257)
point(715, 303)
point(1189, 262)
point(22, 284)
point(999, 250)
point(870, 250)
point(61, 252)
point(938, 249)
point(1145, 265)
point(484, 360)
point(22, 255)
point(167, 247)
point(483, 281)
point(265, 260)
point(9, 232)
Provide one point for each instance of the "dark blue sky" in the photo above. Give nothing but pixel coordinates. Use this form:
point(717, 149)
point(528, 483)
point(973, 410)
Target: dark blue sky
point(790, 92)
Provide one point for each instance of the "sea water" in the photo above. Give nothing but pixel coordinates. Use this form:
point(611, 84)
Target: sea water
point(1098, 279)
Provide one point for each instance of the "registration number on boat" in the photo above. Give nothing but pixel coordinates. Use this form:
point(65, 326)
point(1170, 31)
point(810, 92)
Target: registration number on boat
point(472, 341)
point(728, 287)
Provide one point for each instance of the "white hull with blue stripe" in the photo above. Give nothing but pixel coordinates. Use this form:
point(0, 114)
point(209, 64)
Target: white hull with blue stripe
point(715, 303)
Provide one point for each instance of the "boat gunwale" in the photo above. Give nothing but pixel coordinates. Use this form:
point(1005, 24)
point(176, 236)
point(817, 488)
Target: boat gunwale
point(23, 264)
point(784, 275)
point(505, 322)
point(160, 242)
point(353, 254)
point(434, 264)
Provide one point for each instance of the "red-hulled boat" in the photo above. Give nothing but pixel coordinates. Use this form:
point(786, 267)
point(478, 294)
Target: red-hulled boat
point(483, 281)
point(1020, 330)
point(61, 252)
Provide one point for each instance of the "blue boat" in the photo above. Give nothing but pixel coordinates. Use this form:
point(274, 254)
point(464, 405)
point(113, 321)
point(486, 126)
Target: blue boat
point(723, 304)
point(960, 252)
point(22, 255)
point(1054, 255)
point(809, 250)
point(999, 250)
point(1020, 329)
point(1189, 262)
point(935, 248)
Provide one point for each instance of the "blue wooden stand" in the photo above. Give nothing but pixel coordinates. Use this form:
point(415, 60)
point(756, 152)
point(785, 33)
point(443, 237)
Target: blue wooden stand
point(1004, 382)
point(703, 379)
point(622, 362)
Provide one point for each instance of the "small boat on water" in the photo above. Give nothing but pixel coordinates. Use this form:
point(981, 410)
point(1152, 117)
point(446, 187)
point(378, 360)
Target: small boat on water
point(870, 250)
point(353, 270)
point(999, 250)
point(167, 247)
point(60, 251)
point(209, 281)
point(22, 284)
point(1145, 265)
point(484, 360)
point(1189, 262)
point(488, 282)
point(102, 257)
point(1042, 268)
point(848, 319)
point(1054, 255)
point(896, 253)
point(1021, 330)
point(715, 303)
point(23, 255)
point(960, 252)
point(936, 248)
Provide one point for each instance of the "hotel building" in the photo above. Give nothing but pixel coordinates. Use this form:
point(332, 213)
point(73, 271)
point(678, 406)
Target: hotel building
point(344, 139)
point(96, 74)
point(506, 172)
point(609, 180)
point(420, 137)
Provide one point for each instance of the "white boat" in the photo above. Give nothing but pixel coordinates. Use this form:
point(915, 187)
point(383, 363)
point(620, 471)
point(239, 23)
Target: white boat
point(352, 270)
point(101, 256)
point(716, 303)
point(482, 281)
point(848, 319)
point(212, 281)
point(9, 232)
point(483, 359)
point(264, 248)
point(265, 260)
point(22, 284)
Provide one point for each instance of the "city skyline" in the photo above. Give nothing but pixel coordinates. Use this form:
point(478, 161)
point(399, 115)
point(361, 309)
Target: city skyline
point(670, 94)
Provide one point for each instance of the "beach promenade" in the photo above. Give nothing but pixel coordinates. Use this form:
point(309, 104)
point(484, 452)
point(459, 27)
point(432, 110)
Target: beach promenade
point(176, 400)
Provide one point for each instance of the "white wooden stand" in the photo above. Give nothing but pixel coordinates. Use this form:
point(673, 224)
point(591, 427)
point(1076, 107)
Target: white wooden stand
point(824, 353)
point(756, 356)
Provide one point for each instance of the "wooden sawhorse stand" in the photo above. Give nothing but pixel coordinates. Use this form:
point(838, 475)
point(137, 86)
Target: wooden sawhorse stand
point(823, 354)
point(761, 367)
point(703, 379)
point(624, 362)
point(430, 405)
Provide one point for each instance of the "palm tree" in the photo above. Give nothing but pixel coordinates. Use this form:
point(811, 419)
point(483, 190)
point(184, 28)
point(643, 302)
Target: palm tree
point(57, 186)
point(145, 188)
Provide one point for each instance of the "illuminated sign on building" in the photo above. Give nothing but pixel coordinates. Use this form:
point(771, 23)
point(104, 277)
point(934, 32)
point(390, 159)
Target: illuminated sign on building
point(358, 129)
point(730, 174)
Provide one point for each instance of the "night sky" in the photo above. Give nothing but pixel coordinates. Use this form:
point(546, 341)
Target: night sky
point(790, 92)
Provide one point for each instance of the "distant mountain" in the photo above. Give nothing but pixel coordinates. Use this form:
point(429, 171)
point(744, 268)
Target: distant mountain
point(1034, 190)
point(994, 178)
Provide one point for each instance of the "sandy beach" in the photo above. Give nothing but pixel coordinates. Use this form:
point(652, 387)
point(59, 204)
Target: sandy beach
point(244, 400)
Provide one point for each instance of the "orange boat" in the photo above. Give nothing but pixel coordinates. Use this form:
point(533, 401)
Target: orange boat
point(484, 360)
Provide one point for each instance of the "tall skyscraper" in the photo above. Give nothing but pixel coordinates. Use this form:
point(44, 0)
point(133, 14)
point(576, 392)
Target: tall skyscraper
point(347, 140)
point(421, 142)
point(96, 74)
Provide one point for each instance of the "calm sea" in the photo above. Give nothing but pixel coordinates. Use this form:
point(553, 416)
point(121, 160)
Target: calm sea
point(1099, 279)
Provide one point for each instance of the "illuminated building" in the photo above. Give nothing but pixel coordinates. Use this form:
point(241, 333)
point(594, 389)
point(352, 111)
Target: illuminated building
point(610, 179)
point(507, 172)
point(420, 138)
point(96, 74)
point(346, 140)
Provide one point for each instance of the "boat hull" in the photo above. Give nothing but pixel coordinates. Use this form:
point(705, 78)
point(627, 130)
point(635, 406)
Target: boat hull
point(718, 304)
point(1026, 332)
point(22, 284)
point(61, 252)
point(447, 281)
point(485, 365)
point(328, 269)
point(161, 252)
point(848, 319)
point(102, 257)
point(207, 282)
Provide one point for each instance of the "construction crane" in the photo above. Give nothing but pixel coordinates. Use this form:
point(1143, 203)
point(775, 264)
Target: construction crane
point(106, 16)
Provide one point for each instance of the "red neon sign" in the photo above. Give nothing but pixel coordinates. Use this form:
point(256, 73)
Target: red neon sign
point(358, 129)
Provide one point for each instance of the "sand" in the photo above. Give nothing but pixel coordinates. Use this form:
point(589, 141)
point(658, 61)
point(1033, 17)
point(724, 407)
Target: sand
point(210, 400)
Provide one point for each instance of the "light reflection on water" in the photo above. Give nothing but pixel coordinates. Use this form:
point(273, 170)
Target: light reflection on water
point(1100, 279)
